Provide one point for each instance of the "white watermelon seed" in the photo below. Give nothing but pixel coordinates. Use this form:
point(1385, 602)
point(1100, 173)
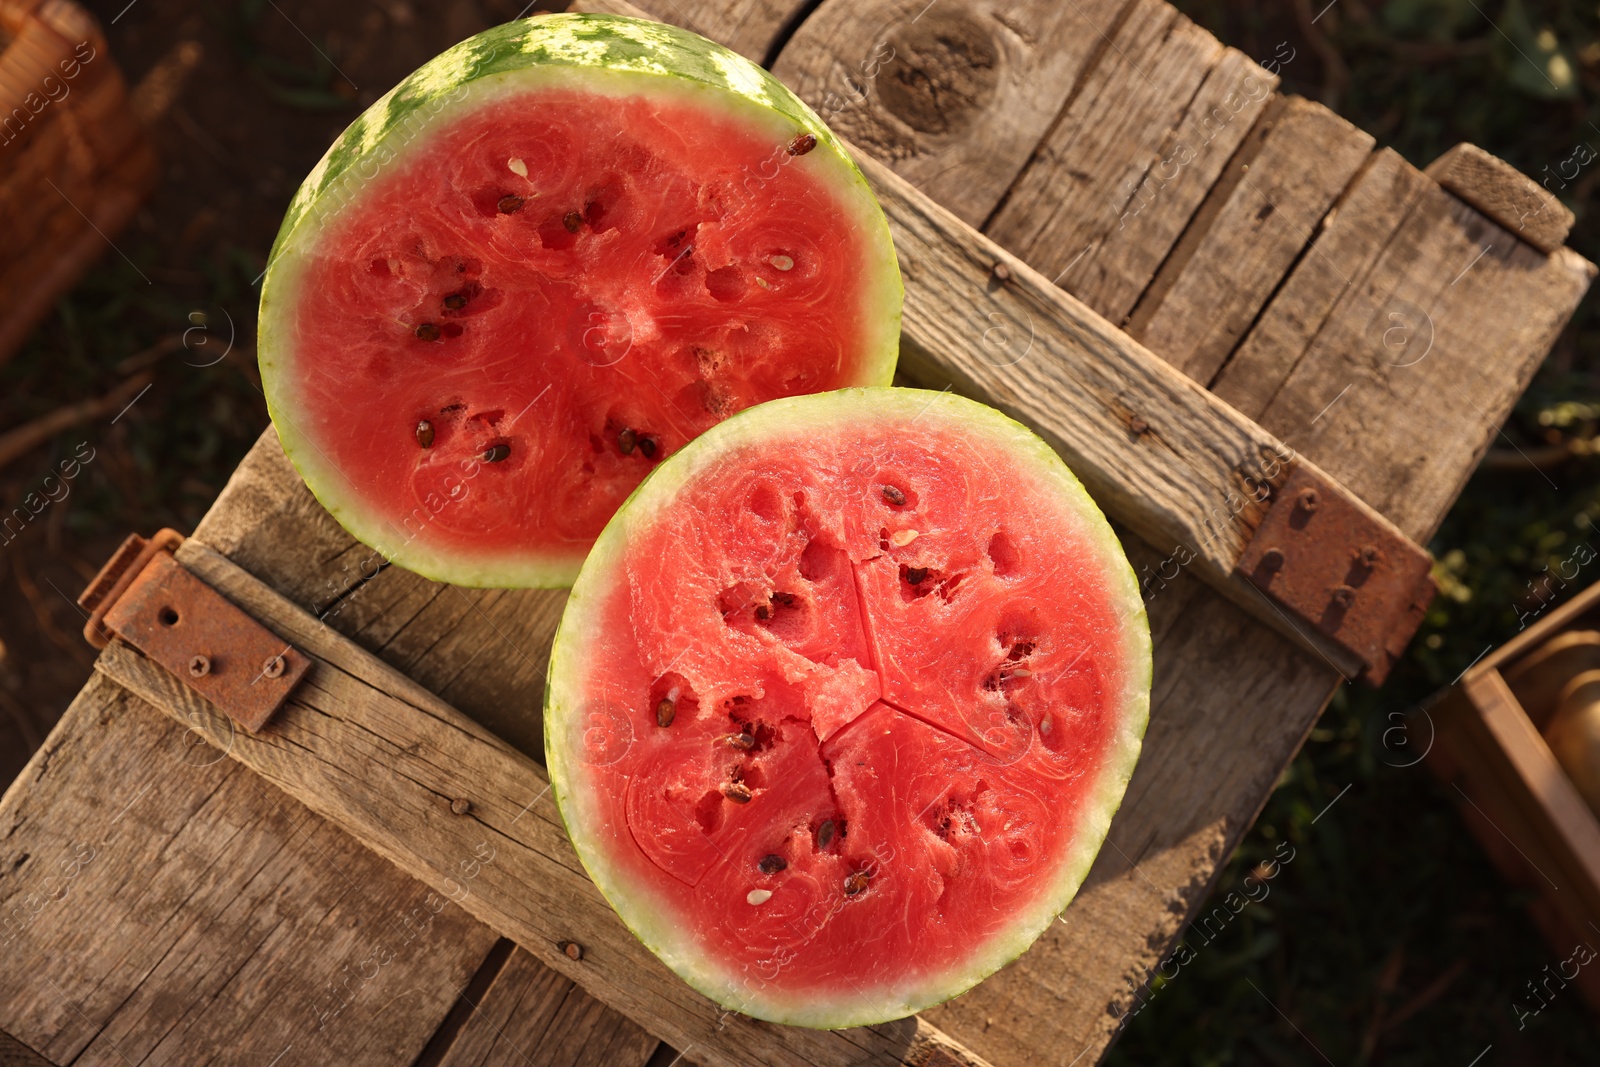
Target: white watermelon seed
point(902, 538)
point(758, 896)
point(518, 167)
point(782, 262)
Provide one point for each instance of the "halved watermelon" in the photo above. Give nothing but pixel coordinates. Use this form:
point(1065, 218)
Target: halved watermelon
point(844, 700)
point(539, 266)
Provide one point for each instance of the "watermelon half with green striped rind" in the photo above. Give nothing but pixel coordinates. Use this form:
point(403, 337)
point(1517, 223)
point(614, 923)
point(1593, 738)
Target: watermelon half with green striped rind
point(542, 264)
point(844, 700)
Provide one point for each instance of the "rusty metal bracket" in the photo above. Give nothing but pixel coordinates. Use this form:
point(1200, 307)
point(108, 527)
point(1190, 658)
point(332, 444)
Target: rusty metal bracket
point(1333, 563)
point(147, 598)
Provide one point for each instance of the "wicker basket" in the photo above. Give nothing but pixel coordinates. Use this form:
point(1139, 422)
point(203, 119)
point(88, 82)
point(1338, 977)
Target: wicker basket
point(75, 163)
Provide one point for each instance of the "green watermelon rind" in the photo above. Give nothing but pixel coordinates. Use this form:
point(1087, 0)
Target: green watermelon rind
point(597, 53)
point(564, 699)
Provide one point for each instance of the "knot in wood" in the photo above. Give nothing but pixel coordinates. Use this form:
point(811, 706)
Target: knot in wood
point(943, 74)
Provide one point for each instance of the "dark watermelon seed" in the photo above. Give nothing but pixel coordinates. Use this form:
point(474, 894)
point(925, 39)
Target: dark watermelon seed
point(825, 834)
point(742, 742)
point(456, 301)
point(772, 864)
point(855, 883)
point(509, 205)
point(894, 496)
point(626, 440)
point(572, 220)
point(497, 453)
point(425, 433)
point(916, 575)
point(763, 613)
point(802, 144)
point(647, 445)
point(737, 792)
point(427, 332)
point(786, 599)
point(666, 711)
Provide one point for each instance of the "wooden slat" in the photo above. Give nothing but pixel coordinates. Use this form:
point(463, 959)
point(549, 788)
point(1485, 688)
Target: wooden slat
point(954, 96)
point(1504, 194)
point(1352, 237)
point(1247, 234)
point(14, 1053)
point(380, 756)
point(531, 1014)
point(749, 27)
point(1429, 347)
point(149, 886)
point(1564, 824)
point(1114, 183)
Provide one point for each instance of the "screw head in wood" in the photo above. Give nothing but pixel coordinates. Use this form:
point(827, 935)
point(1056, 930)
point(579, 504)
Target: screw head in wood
point(1343, 596)
point(274, 667)
point(461, 805)
point(1138, 426)
point(1001, 272)
point(573, 950)
point(200, 666)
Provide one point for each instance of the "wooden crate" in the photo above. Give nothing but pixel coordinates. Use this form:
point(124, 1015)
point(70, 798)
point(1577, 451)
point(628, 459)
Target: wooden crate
point(1513, 794)
point(1197, 274)
point(74, 161)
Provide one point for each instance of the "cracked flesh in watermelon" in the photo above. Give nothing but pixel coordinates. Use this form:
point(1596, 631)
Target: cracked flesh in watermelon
point(844, 700)
point(540, 266)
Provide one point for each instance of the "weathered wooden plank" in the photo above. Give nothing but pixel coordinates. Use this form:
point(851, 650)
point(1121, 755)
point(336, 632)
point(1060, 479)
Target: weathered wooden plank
point(1111, 186)
point(1354, 234)
point(1427, 351)
point(14, 1053)
point(383, 758)
point(1245, 237)
point(953, 96)
point(148, 886)
point(749, 27)
point(1503, 193)
point(531, 1014)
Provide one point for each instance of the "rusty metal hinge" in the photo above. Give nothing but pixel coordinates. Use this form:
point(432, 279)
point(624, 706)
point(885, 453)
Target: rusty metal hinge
point(147, 598)
point(1359, 581)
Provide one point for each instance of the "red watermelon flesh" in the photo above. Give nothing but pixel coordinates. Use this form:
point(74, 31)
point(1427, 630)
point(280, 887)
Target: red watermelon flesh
point(486, 342)
point(903, 669)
